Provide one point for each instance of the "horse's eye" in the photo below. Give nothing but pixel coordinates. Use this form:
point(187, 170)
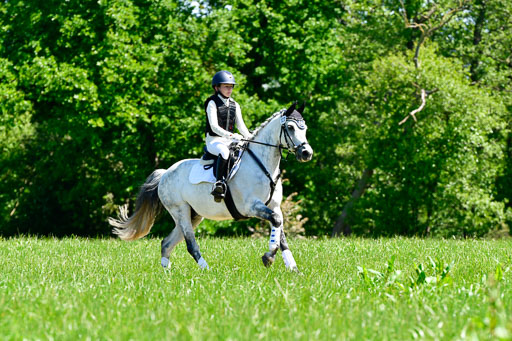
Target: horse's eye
point(291, 127)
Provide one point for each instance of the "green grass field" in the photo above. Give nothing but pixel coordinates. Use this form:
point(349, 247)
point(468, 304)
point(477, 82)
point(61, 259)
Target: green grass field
point(381, 289)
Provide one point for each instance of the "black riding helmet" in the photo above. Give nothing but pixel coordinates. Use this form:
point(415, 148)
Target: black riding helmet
point(223, 77)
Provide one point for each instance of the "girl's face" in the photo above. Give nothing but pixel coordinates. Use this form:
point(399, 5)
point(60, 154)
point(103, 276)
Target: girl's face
point(225, 89)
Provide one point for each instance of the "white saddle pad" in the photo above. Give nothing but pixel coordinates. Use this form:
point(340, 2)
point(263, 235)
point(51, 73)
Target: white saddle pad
point(198, 174)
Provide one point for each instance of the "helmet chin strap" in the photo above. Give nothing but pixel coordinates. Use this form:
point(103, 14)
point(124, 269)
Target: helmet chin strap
point(221, 95)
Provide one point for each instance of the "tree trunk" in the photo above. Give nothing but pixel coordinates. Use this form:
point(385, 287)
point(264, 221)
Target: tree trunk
point(341, 224)
point(477, 37)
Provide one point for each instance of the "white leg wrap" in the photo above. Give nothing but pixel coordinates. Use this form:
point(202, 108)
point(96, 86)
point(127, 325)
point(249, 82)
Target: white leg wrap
point(202, 264)
point(289, 261)
point(275, 238)
point(165, 262)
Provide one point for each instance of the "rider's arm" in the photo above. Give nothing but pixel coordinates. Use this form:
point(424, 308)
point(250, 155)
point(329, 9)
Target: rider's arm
point(240, 124)
point(211, 111)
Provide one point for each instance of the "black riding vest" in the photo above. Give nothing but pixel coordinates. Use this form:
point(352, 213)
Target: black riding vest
point(225, 115)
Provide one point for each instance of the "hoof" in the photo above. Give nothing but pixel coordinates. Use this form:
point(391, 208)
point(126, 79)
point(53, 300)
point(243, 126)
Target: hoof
point(268, 259)
point(202, 264)
point(295, 270)
point(165, 262)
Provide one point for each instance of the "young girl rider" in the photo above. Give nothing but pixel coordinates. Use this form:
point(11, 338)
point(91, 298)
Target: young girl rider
point(222, 115)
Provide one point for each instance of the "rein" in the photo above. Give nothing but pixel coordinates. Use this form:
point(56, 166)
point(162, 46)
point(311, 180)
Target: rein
point(287, 138)
point(273, 183)
point(265, 144)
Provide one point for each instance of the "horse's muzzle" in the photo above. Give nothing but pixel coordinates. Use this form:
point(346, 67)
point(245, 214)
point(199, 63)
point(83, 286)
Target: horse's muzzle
point(304, 153)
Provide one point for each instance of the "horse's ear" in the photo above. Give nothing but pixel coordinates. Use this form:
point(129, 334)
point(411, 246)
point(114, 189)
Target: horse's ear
point(291, 109)
point(301, 109)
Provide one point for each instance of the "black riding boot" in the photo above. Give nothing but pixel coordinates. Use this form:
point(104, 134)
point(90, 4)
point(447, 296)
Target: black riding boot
point(219, 188)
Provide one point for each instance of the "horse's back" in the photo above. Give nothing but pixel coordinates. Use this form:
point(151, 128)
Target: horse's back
point(174, 178)
point(175, 190)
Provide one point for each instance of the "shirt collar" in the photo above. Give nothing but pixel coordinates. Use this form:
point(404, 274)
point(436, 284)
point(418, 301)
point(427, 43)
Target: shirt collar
point(224, 100)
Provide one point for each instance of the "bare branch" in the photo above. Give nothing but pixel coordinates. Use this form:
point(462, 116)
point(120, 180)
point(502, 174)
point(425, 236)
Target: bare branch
point(414, 112)
point(423, 26)
point(427, 16)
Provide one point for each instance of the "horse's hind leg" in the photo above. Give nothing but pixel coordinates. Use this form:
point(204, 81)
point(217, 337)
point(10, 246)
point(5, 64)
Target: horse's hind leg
point(182, 217)
point(174, 238)
point(169, 243)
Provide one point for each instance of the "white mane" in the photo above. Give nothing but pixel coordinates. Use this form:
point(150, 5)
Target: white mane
point(266, 122)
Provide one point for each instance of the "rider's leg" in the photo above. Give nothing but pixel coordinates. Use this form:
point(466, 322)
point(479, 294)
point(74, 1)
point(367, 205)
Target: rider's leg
point(219, 188)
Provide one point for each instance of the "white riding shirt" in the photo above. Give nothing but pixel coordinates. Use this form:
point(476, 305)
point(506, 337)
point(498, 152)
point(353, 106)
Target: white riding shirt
point(225, 137)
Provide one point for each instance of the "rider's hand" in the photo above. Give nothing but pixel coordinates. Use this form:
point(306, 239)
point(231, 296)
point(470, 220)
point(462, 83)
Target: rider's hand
point(237, 137)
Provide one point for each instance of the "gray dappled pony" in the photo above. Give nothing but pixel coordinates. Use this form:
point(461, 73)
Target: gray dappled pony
point(250, 186)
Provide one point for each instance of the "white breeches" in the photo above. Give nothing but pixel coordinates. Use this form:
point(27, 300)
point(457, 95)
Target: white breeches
point(216, 147)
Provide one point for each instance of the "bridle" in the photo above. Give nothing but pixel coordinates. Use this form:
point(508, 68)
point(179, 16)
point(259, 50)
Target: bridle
point(290, 145)
point(287, 138)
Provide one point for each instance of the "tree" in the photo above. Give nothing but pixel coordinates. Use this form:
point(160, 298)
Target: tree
point(96, 94)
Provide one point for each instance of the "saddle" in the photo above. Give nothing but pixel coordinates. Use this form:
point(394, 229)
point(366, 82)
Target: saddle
point(209, 160)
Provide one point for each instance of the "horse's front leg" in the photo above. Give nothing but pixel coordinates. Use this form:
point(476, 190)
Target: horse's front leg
point(277, 238)
point(260, 210)
point(275, 217)
point(289, 261)
point(276, 229)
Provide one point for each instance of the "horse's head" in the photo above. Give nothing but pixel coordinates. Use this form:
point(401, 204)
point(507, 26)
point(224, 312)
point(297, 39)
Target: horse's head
point(293, 133)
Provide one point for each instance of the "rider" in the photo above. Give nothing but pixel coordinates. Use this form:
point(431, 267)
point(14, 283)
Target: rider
point(222, 113)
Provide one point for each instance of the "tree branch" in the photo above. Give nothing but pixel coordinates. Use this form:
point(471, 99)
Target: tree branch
point(423, 24)
point(424, 94)
point(414, 112)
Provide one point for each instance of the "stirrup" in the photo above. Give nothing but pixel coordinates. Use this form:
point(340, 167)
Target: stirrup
point(219, 191)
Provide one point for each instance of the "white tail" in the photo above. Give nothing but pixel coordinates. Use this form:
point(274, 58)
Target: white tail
point(147, 208)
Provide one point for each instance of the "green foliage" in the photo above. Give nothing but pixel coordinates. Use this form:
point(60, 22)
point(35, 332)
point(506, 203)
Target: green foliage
point(437, 174)
point(391, 282)
point(97, 94)
point(16, 131)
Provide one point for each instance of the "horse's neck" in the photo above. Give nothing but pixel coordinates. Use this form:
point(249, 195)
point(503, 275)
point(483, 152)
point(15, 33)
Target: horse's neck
point(269, 156)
